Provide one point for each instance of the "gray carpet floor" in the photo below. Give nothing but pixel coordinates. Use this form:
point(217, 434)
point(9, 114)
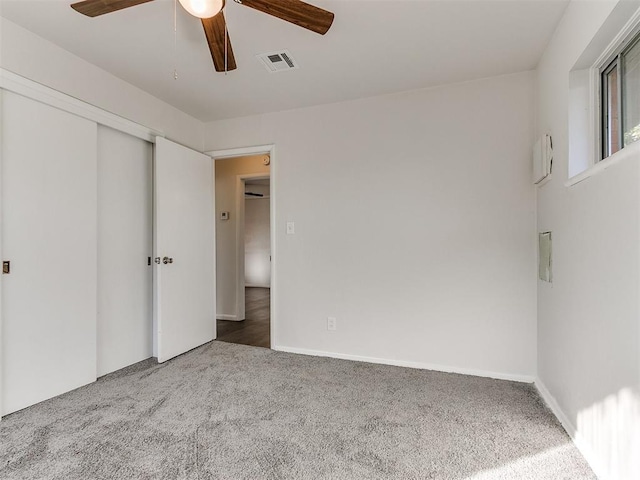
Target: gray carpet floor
point(230, 411)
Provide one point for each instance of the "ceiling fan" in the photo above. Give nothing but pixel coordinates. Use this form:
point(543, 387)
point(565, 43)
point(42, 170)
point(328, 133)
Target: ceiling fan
point(210, 12)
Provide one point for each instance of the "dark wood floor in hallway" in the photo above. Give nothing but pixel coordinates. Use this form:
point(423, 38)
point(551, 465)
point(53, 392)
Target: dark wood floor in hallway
point(255, 329)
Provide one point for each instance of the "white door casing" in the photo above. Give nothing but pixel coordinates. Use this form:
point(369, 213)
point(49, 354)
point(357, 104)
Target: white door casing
point(274, 219)
point(184, 312)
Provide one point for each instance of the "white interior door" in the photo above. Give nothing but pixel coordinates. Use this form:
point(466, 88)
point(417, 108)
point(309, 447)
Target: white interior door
point(185, 315)
point(125, 242)
point(49, 231)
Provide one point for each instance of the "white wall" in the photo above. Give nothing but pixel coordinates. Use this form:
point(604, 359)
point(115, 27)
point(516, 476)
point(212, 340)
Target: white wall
point(589, 318)
point(257, 244)
point(33, 57)
point(414, 220)
point(227, 252)
point(125, 241)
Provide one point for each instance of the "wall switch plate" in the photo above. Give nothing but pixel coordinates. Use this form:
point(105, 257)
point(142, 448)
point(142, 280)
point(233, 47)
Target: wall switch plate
point(332, 324)
point(224, 215)
point(291, 228)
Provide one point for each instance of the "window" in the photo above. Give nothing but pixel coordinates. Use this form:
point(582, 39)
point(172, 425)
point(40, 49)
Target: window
point(620, 87)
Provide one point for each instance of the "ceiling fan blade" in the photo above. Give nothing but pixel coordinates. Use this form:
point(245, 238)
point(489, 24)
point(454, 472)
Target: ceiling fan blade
point(214, 29)
point(297, 12)
point(93, 8)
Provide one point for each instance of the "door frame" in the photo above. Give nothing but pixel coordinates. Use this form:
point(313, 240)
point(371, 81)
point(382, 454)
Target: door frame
point(273, 211)
point(1, 259)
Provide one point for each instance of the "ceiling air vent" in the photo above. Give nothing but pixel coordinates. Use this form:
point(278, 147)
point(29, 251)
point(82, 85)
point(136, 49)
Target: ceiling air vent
point(278, 61)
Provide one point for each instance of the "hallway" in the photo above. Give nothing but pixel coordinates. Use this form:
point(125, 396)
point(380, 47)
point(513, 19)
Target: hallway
point(255, 329)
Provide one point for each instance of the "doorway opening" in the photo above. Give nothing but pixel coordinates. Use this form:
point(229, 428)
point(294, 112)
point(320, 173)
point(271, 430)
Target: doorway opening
point(244, 249)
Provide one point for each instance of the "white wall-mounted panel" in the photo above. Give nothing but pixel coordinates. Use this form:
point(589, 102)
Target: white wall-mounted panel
point(125, 242)
point(49, 203)
point(542, 158)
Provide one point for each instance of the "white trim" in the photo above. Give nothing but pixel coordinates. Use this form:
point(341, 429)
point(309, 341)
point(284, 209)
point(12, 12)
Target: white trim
point(571, 430)
point(408, 364)
point(595, 119)
point(627, 153)
point(271, 151)
point(231, 318)
point(1, 257)
point(28, 88)
point(555, 408)
point(629, 30)
point(240, 152)
point(621, 25)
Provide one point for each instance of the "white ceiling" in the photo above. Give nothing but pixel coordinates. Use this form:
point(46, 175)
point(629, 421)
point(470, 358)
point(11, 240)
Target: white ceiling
point(374, 47)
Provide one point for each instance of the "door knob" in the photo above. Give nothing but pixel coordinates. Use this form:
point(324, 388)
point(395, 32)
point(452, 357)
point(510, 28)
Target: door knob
point(166, 260)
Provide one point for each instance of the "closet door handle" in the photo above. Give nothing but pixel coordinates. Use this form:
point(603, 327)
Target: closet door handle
point(166, 260)
point(157, 260)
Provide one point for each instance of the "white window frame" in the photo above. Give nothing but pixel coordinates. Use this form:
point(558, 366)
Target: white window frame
point(615, 60)
point(593, 127)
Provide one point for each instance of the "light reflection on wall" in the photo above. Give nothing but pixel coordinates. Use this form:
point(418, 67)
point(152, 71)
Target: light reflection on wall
point(257, 263)
point(257, 270)
point(609, 434)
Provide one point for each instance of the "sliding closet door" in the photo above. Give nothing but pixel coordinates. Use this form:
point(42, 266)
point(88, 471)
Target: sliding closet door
point(125, 242)
point(49, 230)
point(185, 246)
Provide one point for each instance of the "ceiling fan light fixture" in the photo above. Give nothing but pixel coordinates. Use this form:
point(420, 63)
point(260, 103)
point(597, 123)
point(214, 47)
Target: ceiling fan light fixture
point(202, 8)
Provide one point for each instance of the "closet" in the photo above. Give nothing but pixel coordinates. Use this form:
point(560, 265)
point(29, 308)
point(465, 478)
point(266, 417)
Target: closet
point(77, 211)
point(83, 206)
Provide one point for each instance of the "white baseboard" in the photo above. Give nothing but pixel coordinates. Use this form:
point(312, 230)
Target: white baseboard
point(555, 408)
point(403, 363)
point(233, 318)
point(571, 429)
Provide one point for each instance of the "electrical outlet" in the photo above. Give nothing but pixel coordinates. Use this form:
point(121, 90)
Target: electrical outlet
point(332, 324)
